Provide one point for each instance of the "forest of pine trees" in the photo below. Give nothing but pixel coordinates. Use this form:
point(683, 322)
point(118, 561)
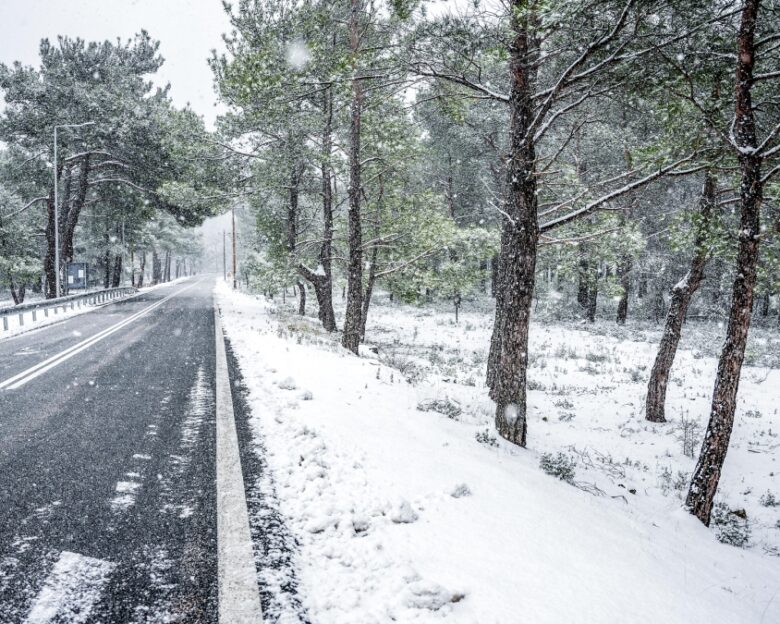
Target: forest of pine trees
point(606, 158)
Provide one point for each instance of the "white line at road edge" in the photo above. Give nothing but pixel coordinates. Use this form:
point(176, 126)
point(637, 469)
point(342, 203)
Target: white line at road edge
point(17, 381)
point(239, 597)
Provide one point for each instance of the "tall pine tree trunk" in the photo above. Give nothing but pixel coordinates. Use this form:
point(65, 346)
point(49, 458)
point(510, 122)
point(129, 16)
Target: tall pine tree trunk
point(678, 309)
point(706, 476)
point(354, 312)
point(156, 267)
point(592, 281)
point(508, 360)
point(301, 299)
point(623, 271)
point(322, 280)
point(583, 269)
point(116, 276)
point(142, 269)
point(765, 305)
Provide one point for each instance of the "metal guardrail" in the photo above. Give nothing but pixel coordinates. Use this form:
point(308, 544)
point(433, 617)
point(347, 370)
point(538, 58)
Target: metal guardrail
point(96, 297)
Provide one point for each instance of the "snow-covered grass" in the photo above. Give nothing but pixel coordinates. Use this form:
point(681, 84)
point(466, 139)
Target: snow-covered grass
point(406, 508)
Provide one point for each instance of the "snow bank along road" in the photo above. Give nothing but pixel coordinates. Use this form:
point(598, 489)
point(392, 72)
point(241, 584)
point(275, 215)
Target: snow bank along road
point(121, 494)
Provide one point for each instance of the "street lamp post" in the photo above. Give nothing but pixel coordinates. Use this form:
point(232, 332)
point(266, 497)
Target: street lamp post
point(58, 269)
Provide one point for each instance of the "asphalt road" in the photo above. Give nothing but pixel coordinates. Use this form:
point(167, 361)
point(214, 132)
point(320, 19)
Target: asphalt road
point(107, 466)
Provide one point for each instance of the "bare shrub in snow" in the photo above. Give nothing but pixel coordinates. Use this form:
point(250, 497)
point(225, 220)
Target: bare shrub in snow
point(486, 437)
point(448, 407)
point(689, 435)
point(768, 499)
point(411, 371)
point(669, 482)
point(559, 465)
point(460, 490)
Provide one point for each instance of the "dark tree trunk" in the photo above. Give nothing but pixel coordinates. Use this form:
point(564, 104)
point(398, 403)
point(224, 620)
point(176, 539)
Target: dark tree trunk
point(106, 259)
point(142, 269)
point(678, 308)
point(450, 191)
point(706, 476)
point(325, 291)
point(583, 270)
point(592, 282)
point(132, 267)
point(659, 306)
point(354, 312)
point(301, 299)
point(17, 292)
point(156, 268)
point(71, 218)
point(116, 276)
point(765, 305)
point(508, 360)
point(292, 207)
point(322, 281)
point(624, 278)
point(641, 290)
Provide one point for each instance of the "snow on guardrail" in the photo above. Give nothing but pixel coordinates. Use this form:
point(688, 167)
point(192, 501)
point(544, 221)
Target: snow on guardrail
point(17, 318)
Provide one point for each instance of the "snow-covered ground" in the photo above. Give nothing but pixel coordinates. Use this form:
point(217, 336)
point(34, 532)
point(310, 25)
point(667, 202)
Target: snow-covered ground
point(408, 515)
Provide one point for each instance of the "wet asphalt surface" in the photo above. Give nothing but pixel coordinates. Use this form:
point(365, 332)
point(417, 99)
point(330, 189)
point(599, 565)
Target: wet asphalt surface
point(107, 468)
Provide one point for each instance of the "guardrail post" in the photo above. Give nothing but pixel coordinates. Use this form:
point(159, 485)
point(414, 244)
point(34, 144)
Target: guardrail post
point(5, 323)
point(21, 319)
point(35, 317)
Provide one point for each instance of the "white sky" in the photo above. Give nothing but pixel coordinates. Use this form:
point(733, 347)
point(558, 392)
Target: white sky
point(187, 30)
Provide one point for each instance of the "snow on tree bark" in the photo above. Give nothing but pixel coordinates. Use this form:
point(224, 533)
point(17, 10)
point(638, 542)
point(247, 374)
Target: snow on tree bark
point(706, 476)
point(682, 293)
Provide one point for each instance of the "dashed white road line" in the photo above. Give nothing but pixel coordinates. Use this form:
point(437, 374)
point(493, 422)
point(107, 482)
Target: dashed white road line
point(239, 597)
point(71, 590)
point(20, 379)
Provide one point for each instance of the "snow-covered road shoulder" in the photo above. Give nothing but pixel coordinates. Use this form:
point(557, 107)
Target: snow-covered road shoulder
point(401, 515)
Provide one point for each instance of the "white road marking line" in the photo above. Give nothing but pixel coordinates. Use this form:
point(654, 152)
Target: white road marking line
point(126, 493)
point(71, 590)
point(20, 379)
point(239, 597)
